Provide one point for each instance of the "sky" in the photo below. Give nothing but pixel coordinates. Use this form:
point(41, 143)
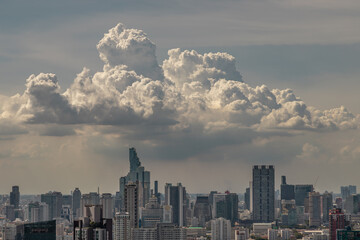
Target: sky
point(202, 89)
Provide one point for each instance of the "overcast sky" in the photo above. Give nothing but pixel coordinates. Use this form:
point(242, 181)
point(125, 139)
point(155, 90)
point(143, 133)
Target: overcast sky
point(269, 82)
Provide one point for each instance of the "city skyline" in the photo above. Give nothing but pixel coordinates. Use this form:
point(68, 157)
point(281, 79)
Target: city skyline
point(76, 91)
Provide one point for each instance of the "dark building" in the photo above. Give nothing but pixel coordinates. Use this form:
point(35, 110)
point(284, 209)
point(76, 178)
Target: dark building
point(302, 193)
point(247, 198)
point(336, 222)
point(132, 203)
point(76, 199)
point(156, 192)
point(167, 231)
point(37, 231)
point(348, 235)
point(54, 201)
point(287, 190)
point(232, 203)
point(15, 197)
point(202, 210)
point(176, 197)
point(67, 200)
point(263, 193)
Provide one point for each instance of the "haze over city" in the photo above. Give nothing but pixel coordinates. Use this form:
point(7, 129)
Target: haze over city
point(204, 90)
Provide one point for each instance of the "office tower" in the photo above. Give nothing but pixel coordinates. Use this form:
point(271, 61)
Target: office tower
point(122, 226)
point(137, 174)
point(232, 203)
point(327, 205)
point(247, 198)
point(337, 221)
point(211, 198)
point(285, 234)
point(242, 234)
point(54, 201)
point(220, 229)
point(92, 226)
point(219, 205)
point(156, 192)
point(176, 197)
point(107, 202)
point(314, 209)
point(166, 231)
point(301, 193)
point(91, 198)
point(151, 214)
point(131, 203)
point(288, 212)
point(76, 198)
point(351, 204)
point(202, 210)
point(15, 197)
point(263, 192)
point(287, 190)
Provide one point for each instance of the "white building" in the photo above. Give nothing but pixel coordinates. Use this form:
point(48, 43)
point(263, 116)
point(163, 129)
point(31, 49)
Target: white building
point(273, 234)
point(122, 226)
point(220, 229)
point(107, 202)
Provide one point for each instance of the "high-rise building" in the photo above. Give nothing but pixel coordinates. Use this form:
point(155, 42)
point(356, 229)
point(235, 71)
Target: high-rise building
point(336, 222)
point(91, 198)
point(347, 191)
point(220, 229)
point(144, 233)
point(263, 193)
point(37, 231)
point(54, 201)
point(156, 192)
point(327, 205)
point(131, 203)
point(202, 210)
point(314, 209)
point(247, 198)
point(122, 226)
point(15, 197)
point(302, 193)
point(76, 198)
point(288, 212)
point(107, 202)
point(287, 190)
point(137, 174)
point(151, 214)
point(176, 197)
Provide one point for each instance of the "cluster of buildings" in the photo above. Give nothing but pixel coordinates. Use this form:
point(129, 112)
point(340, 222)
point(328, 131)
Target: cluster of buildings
point(139, 212)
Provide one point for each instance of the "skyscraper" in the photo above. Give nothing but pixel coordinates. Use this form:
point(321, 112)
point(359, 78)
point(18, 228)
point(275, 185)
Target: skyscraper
point(263, 193)
point(337, 221)
point(91, 198)
point(137, 173)
point(287, 190)
point(122, 226)
point(302, 193)
point(54, 201)
point(314, 209)
point(327, 205)
point(15, 197)
point(247, 198)
point(176, 197)
point(107, 202)
point(131, 203)
point(76, 203)
point(202, 210)
point(220, 229)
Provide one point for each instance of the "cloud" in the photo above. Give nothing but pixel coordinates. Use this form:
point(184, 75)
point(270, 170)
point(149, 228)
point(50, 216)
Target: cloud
point(190, 92)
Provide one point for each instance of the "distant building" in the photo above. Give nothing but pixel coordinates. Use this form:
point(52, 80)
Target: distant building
point(15, 197)
point(302, 193)
point(327, 205)
point(314, 209)
point(54, 201)
point(336, 222)
point(263, 193)
point(76, 199)
point(137, 173)
point(220, 229)
point(122, 226)
point(37, 231)
point(107, 202)
point(92, 198)
point(348, 235)
point(166, 231)
point(131, 203)
point(151, 214)
point(202, 210)
point(287, 190)
point(176, 197)
point(247, 198)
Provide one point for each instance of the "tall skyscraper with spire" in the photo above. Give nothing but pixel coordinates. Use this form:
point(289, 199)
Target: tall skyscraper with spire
point(138, 174)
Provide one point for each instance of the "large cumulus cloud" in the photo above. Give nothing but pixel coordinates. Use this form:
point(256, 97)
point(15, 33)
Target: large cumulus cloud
point(190, 90)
